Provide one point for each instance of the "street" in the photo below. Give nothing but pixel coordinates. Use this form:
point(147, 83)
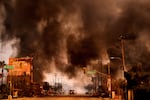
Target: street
point(60, 98)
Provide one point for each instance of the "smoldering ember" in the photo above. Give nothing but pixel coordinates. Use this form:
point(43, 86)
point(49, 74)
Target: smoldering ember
point(65, 38)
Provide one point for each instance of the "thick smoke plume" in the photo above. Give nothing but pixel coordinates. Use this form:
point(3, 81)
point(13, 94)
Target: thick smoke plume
point(69, 34)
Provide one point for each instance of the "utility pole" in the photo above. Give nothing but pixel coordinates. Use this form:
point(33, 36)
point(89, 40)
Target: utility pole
point(123, 55)
point(124, 66)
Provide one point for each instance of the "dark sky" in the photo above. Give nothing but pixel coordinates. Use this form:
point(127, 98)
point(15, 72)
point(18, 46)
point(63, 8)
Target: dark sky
point(71, 33)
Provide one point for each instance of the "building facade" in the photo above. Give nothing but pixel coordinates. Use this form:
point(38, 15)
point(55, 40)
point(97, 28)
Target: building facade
point(21, 74)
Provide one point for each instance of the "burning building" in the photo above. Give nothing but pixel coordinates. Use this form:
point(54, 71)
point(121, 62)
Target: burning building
point(21, 73)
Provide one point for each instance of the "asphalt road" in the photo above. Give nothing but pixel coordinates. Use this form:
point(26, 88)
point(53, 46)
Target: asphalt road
point(60, 98)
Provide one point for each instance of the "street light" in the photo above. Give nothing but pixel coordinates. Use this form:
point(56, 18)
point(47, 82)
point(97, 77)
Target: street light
point(122, 38)
point(107, 76)
point(123, 63)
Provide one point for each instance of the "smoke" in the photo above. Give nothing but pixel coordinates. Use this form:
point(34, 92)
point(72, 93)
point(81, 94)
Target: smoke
point(8, 46)
point(134, 21)
point(68, 84)
point(2, 18)
point(67, 35)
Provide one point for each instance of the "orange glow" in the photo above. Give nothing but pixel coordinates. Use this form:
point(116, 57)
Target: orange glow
point(22, 66)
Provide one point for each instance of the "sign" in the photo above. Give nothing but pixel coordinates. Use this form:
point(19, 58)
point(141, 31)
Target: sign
point(91, 72)
point(9, 67)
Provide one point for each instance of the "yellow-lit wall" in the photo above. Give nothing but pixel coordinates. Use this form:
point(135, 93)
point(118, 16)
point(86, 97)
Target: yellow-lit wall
point(21, 67)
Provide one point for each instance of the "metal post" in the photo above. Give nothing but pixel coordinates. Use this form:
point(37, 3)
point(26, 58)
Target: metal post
point(10, 96)
point(123, 68)
point(123, 57)
point(109, 80)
